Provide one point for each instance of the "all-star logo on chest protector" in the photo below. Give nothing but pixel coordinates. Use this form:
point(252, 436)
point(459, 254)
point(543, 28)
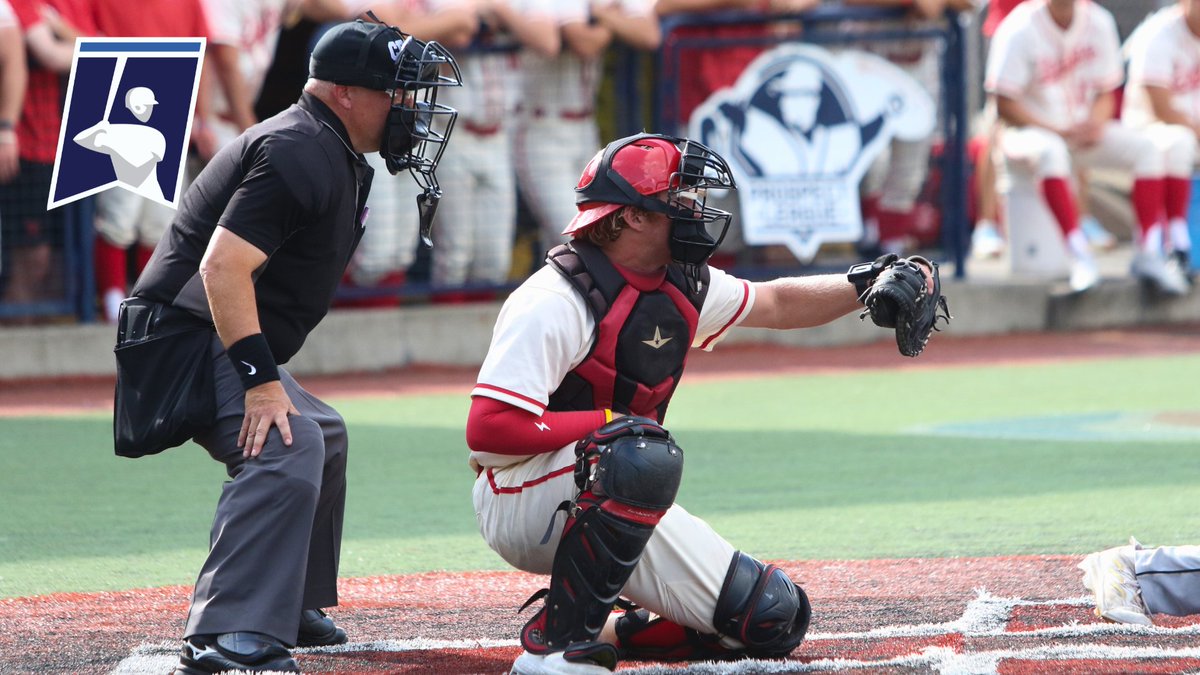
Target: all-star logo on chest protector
point(643, 331)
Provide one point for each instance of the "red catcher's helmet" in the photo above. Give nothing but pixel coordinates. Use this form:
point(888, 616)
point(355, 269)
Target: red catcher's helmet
point(647, 164)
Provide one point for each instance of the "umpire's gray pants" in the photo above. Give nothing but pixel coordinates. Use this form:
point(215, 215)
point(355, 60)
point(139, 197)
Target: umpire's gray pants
point(277, 533)
point(1170, 579)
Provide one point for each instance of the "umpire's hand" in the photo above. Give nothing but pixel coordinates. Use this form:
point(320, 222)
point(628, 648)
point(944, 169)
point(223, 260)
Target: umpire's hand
point(266, 405)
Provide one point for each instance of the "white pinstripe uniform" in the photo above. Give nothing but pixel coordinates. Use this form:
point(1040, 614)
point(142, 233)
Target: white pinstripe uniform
point(1058, 74)
point(475, 229)
point(389, 242)
point(1163, 52)
point(557, 130)
point(543, 331)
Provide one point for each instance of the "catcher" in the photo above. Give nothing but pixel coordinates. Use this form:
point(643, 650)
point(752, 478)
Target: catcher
point(577, 477)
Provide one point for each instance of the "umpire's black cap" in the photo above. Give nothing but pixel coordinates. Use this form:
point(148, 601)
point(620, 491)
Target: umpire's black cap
point(361, 54)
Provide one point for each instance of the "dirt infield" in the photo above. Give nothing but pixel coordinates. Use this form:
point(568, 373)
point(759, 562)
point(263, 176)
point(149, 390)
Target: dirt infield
point(1013, 615)
point(1018, 615)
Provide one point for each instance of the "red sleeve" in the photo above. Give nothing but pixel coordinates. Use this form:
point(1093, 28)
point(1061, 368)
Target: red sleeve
point(497, 427)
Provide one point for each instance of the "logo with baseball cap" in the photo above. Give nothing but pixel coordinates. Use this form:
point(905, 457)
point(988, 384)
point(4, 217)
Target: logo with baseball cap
point(127, 118)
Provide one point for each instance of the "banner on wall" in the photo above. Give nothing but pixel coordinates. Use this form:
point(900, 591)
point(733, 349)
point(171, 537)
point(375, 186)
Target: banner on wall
point(800, 128)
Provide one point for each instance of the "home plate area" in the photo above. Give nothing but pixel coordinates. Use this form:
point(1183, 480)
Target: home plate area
point(873, 616)
point(992, 635)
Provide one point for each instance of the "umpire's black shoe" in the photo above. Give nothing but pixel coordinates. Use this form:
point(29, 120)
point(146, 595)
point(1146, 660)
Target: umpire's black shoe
point(318, 630)
point(239, 652)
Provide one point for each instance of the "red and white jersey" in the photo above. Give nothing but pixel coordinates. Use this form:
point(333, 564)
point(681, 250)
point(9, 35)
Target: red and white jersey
point(1163, 52)
point(545, 330)
point(1057, 74)
point(253, 27)
point(566, 85)
point(7, 18)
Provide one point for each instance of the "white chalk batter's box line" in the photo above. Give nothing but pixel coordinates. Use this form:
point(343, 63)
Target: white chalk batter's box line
point(985, 616)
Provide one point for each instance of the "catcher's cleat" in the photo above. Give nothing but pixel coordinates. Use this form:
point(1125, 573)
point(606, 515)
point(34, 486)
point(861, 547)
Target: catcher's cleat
point(585, 658)
point(318, 630)
point(1109, 576)
point(237, 652)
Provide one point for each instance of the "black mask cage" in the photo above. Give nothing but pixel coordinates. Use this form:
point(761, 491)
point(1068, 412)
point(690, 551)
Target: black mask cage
point(697, 229)
point(418, 127)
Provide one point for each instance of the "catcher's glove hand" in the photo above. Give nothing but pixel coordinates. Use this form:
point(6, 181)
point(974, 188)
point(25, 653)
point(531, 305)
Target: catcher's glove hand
point(900, 298)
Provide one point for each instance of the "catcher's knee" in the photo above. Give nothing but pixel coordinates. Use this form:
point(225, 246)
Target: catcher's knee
point(762, 608)
point(637, 465)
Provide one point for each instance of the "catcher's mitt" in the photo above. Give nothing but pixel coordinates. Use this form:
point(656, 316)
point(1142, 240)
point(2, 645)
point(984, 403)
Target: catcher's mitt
point(900, 298)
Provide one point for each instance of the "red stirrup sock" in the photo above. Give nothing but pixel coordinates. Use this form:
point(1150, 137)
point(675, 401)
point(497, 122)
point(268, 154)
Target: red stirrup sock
point(1061, 201)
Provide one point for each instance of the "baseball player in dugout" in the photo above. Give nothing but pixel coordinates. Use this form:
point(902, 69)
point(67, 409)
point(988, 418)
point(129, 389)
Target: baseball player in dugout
point(576, 474)
point(1053, 69)
point(256, 251)
point(1162, 98)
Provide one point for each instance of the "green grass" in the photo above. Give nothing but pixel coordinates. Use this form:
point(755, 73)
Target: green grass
point(816, 467)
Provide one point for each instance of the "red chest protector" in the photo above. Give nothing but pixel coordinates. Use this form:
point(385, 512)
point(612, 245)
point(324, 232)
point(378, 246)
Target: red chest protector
point(643, 331)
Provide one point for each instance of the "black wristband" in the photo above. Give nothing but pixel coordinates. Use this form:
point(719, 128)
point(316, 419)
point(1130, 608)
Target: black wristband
point(252, 359)
point(6, 125)
point(862, 274)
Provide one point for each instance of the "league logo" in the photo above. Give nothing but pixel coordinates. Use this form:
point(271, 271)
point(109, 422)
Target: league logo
point(800, 127)
point(127, 118)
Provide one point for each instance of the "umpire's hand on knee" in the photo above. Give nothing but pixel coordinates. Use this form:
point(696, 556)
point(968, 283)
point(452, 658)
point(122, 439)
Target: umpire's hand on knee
point(267, 405)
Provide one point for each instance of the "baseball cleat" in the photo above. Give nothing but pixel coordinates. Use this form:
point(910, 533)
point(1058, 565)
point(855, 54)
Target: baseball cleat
point(1097, 237)
point(1161, 271)
point(1084, 275)
point(1110, 577)
point(1184, 260)
point(318, 630)
point(986, 241)
point(236, 652)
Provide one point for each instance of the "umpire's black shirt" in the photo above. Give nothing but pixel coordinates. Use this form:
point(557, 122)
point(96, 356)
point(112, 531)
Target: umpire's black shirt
point(292, 186)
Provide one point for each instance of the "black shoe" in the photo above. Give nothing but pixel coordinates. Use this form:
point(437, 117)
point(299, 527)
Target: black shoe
point(318, 630)
point(241, 651)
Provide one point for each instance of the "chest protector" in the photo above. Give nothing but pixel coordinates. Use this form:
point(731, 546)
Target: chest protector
point(641, 338)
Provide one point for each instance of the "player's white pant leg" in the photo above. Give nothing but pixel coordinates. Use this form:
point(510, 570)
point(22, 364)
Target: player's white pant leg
point(1170, 579)
point(453, 237)
point(117, 215)
point(153, 222)
point(549, 152)
point(493, 212)
point(1030, 150)
point(907, 169)
point(514, 513)
point(682, 571)
point(1178, 147)
point(908, 161)
point(1121, 147)
point(390, 239)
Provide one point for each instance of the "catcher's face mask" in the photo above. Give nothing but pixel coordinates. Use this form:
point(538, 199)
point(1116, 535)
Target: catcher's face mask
point(418, 127)
point(633, 171)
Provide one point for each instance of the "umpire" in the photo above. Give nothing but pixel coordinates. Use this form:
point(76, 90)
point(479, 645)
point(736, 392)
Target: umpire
point(256, 250)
